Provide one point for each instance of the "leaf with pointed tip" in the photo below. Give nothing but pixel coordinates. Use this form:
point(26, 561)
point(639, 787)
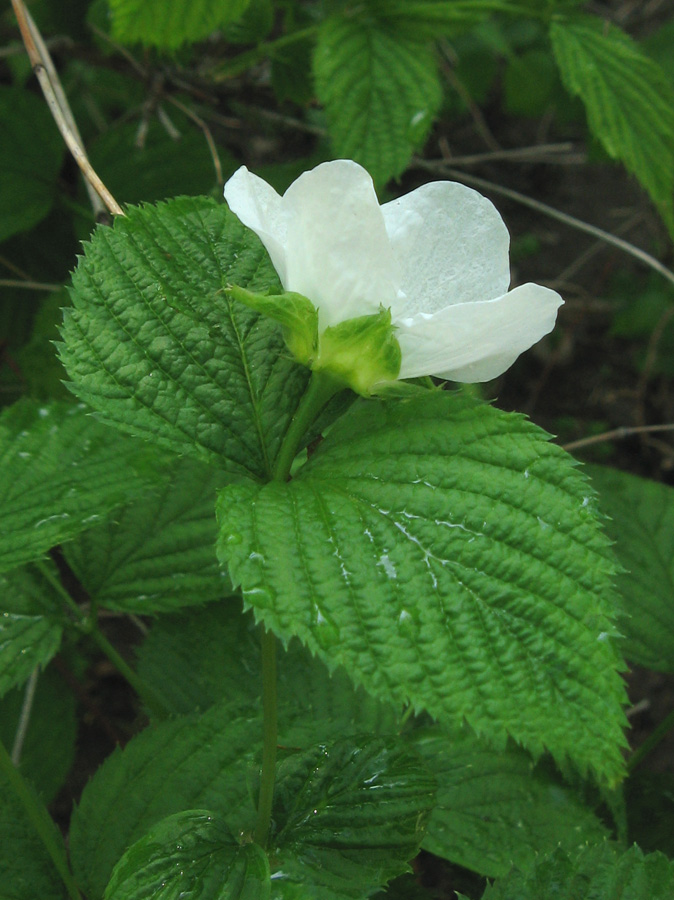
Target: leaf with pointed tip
point(438, 542)
point(190, 854)
point(628, 98)
point(349, 817)
point(380, 90)
point(156, 554)
point(154, 344)
point(198, 761)
point(642, 525)
point(496, 808)
point(60, 470)
point(602, 872)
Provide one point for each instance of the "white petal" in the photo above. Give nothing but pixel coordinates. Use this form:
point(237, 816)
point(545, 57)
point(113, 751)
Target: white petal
point(337, 250)
point(259, 207)
point(472, 342)
point(451, 246)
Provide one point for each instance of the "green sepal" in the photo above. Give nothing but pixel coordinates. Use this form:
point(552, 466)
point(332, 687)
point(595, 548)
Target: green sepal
point(296, 314)
point(361, 352)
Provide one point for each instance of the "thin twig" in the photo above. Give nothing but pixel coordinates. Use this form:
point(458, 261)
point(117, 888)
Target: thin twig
point(591, 252)
point(24, 718)
point(539, 153)
point(608, 238)
point(617, 434)
point(58, 104)
point(30, 285)
point(652, 349)
point(475, 112)
point(199, 122)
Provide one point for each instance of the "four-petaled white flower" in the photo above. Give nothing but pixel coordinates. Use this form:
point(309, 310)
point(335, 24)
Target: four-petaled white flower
point(437, 257)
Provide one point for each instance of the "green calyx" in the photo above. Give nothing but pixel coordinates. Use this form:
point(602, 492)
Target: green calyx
point(296, 314)
point(360, 353)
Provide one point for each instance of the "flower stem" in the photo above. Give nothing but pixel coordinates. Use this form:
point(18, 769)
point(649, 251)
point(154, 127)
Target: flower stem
point(321, 388)
point(89, 625)
point(40, 820)
point(270, 730)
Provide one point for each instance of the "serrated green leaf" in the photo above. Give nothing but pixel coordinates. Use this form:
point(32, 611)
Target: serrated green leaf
point(190, 854)
point(349, 815)
point(156, 554)
point(642, 525)
point(193, 660)
point(49, 745)
point(628, 99)
point(30, 623)
point(602, 872)
point(25, 642)
point(31, 152)
point(438, 542)
point(60, 470)
point(496, 809)
point(156, 24)
point(380, 90)
point(26, 870)
point(430, 19)
point(154, 344)
point(198, 761)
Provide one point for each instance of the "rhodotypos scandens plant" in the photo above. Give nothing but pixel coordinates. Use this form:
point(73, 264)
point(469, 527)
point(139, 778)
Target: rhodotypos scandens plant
point(421, 552)
point(436, 258)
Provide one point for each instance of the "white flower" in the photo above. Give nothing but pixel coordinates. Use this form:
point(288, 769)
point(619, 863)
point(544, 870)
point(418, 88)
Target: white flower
point(437, 257)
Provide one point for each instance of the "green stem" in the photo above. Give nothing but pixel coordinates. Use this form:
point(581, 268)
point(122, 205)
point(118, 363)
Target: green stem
point(648, 745)
point(151, 700)
point(245, 60)
point(321, 388)
point(90, 626)
point(270, 730)
point(41, 821)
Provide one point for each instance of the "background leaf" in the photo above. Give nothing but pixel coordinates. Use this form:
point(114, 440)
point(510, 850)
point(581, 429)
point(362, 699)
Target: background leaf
point(602, 872)
point(49, 746)
point(31, 153)
point(60, 470)
point(154, 344)
point(497, 809)
point(628, 99)
point(442, 542)
point(30, 624)
point(26, 870)
point(193, 660)
point(153, 23)
point(190, 854)
point(642, 526)
point(380, 90)
point(192, 762)
point(350, 816)
point(163, 167)
point(158, 553)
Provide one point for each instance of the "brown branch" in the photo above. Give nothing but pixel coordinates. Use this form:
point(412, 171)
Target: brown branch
point(60, 109)
point(617, 434)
